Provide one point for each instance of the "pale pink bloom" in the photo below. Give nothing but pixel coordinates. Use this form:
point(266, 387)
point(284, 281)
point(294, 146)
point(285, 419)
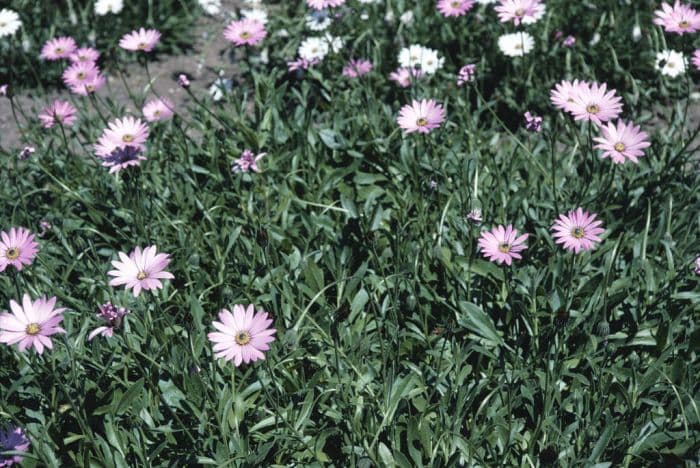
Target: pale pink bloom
point(242, 335)
point(90, 85)
point(3, 90)
point(525, 11)
point(58, 48)
point(301, 64)
point(128, 131)
point(421, 116)
point(533, 123)
point(17, 248)
point(696, 59)
point(245, 32)
point(679, 18)
point(158, 109)
point(183, 81)
point(84, 54)
point(502, 244)
point(622, 142)
point(323, 4)
point(596, 104)
point(247, 162)
point(14, 440)
point(466, 74)
point(78, 74)
point(569, 41)
point(60, 112)
point(111, 314)
point(577, 230)
point(142, 39)
point(697, 265)
point(122, 157)
point(356, 68)
point(405, 76)
point(475, 216)
point(564, 94)
point(454, 7)
point(140, 270)
point(31, 324)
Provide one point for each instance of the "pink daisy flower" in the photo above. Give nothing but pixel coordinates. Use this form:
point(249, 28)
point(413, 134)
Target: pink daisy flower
point(421, 116)
point(564, 94)
point(696, 59)
point(301, 64)
point(596, 104)
point(14, 440)
point(85, 55)
point(405, 76)
point(525, 11)
point(17, 248)
point(502, 244)
point(58, 48)
point(242, 335)
point(247, 162)
point(90, 86)
point(158, 109)
point(577, 230)
point(121, 133)
point(356, 68)
point(245, 32)
point(31, 324)
point(454, 7)
point(140, 270)
point(622, 142)
point(60, 112)
point(679, 18)
point(142, 39)
point(323, 4)
point(111, 314)
point(78, 74)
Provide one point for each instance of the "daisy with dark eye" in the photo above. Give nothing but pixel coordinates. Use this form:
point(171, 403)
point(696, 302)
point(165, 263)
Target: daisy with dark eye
point(577, 231)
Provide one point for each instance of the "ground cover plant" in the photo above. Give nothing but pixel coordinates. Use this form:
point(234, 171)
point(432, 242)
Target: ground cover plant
point(425, 233)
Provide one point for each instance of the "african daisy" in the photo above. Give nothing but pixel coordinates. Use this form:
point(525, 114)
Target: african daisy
point(128, 131)
point(622, 142)
point(595, 103)
point(17, 248)
point(84, 54)
point(577, 230)
point(321, 4)
point(670, 63)
point(525, 11)
point(113, 316)
point(31, 324)
point(58, 48)
point(158, 109)
point(502, 244)
point(142, 269)
point(565, 92)
point(516, 44)
point(78, 74)
point(454, 7)
point(142, 39)
point(60, 112)
point(245, 32)
point(679, 18)
point(247, 162)
point(421, 116)
point(9, 24)
point(356, 68)
point(242, 335)
point(405, 76)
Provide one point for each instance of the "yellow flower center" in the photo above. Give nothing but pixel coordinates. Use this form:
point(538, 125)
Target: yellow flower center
point(58, 50)
point(577, 232)
point(505, 248)
point(245, 35)
point(142, 45)
point(12, 253)
point(519, 12)
point(141, 275)
point(593, 109)
point(422, 122)
point(683, 24)
point(127, 138)
point(456, 4)
point(242, 338)
point(33, 329)
point(81, 75)
point(619, 147)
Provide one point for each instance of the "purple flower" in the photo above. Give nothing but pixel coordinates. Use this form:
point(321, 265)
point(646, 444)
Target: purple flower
point(533, 123)
point(247, 162)
point(569, 41)
point(111, 314)
point(26, 152)
point(466, 74)
point(183, 81)
point(474, 216)
point(12, 440)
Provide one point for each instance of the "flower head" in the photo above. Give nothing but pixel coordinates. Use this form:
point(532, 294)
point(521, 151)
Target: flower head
point(421, 116)
point(26, 152)
point(405, 76)
point(301, 64)
point(242, 335)
point(142, 39)
point(183, 81)
point(533, 123)
point(12, 440)
point(3, 90)
point(247, 162)
point(85, 55)
point(670, 63)
point(313, 48)
point(466, 74)
point(158, 109)
point(569, 41)
point(563, 95)
point(356, 68)
point(9, 24)
point(245, 32)
point(58, 48)
point(102, 7)
point(595, 103)
point(475, 216)
point(577, 230)
point(17, 248)
point(319, 20)
point(120, 133)
point(80, 73)
point(621, 142)
point(322, 4)
point(31, 324)
point(419, 57)
point(142, 269)
point(502, 244)
point(454, 7)
point(60, 112)
point(111, 314)
point(122, 157)
point(679, 18)
point(520, 11)
point(516, 44)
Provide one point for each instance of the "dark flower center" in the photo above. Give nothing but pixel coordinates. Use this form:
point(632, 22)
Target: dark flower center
point(683, 24)
point(422, 122)
point(504, 247)
point(456, 4)
point(519, 12)
point(245, 35)
point(619, 147)
point(81, 75)
point(59, 50)
point(142, 45)
point(593, 109)
point(33, 329)
point(141, 275)
point(577, 232)
point(127, 138)
point(242, 338)
point(12, 253)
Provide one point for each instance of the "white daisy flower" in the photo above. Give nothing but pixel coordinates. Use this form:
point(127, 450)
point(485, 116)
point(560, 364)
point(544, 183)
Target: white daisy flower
point(9, 22)
point(417, 56)
point(102, 7)
point(313, 48)
point(516, 44)
point(670, 63)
